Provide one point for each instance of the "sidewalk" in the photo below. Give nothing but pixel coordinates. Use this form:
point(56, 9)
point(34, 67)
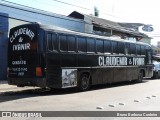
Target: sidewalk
point(4, 87)
point(3, 82)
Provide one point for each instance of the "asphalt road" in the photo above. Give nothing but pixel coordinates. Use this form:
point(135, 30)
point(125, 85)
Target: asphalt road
point(126, 96)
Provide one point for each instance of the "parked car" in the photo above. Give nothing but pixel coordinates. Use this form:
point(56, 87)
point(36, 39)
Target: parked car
point(156, 70)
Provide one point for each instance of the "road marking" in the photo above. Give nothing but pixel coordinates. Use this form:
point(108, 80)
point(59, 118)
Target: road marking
point(99, 107)
point(111, 105)
point(136, 100)
point(148, 97)
point(154, 96)
point(121, 104)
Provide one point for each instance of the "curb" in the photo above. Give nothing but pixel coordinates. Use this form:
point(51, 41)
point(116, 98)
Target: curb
point(3, 82)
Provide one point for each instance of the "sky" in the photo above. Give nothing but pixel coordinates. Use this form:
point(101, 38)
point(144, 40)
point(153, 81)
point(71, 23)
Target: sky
point(130, 11)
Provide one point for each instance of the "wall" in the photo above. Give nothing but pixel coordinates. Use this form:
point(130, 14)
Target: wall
point(31, 15)
point(3, 45)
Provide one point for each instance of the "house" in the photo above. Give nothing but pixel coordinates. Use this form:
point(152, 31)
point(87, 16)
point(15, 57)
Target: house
point(107, 28)
point(137, 27)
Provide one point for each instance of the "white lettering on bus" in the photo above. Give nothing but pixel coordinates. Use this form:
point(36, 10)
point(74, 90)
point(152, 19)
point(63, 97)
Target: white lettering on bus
point(120, 61)
point(19, 62)
point(19, 47)
point(138, 61)
point(24, 31)
point(20, 69)
point(112, 61)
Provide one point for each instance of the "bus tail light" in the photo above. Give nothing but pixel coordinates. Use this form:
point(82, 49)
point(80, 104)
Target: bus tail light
point(38, 71)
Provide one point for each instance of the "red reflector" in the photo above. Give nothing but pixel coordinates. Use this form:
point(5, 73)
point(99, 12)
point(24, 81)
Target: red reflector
point(38, 71)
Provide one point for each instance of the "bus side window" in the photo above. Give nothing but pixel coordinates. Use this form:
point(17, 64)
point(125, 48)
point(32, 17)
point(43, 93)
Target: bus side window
point(121, 48)
point(99, 46)
point(90, 45)
point(107, 47)
point(71, 43)
point(138, 49)
point(132, 49)
point(127, 48)
point(63, 43)
point(149, 55)
point(143, 50)
point(49, 42)
point(55, 42)
point(114, 47)
point(82, 47)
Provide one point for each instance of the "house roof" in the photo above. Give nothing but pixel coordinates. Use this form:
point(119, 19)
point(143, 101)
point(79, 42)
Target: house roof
point(131, 25)
point(107, 24)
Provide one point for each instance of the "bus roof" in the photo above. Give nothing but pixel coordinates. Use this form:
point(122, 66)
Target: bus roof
point(64, 30)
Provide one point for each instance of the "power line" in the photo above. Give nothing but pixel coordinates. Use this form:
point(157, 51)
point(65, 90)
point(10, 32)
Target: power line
point(155, 36)
point(71, 4)
point(23, 5)
point(56, 7)
point(62, 3)
point(46, 13)
point(86, 8)
point(31, 8)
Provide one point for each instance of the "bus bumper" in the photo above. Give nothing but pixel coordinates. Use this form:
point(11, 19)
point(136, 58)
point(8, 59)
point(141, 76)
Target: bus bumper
point(39, 82)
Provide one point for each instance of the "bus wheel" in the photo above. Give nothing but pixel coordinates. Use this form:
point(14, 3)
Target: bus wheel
point(84, 82)
point(140, 77)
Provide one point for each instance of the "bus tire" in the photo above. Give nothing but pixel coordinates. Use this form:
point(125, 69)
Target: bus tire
point(140, 77)
point(84, 82)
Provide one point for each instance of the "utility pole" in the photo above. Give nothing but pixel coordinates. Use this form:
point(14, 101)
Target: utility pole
point(96, 11)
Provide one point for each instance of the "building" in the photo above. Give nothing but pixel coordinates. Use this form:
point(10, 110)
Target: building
point(139, 27)
point(3, 44)
point(108, 28)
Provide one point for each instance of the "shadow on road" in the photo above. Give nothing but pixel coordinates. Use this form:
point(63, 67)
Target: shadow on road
point(15, 95)
point(118, 84)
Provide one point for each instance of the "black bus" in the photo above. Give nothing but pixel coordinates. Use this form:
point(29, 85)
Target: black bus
point(48, 56)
